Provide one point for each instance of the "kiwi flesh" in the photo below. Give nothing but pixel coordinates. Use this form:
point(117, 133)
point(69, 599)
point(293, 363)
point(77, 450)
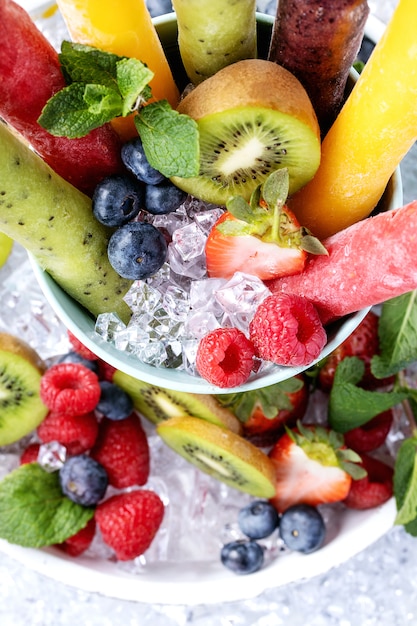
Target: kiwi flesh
point(158, 404)
point(21, 409)
point(220, 453)
point(253, 117)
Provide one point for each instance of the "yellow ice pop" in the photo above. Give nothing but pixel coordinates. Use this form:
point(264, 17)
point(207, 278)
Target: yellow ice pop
point(373, 132)
point(125, 28)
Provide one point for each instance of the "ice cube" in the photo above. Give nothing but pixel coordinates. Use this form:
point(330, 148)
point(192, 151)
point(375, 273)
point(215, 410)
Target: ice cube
point(242, 293)
point(202, 295)
point(51, 456)
point(189, 242)
point(200, 323)
point(108, 325)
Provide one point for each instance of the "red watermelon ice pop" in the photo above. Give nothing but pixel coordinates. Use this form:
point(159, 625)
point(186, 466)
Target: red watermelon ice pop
point(29, 75)
point(370, 262)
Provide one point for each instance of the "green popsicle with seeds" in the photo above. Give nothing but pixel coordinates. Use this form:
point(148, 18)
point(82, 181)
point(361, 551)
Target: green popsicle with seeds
point(214, 33)
point(54, 221)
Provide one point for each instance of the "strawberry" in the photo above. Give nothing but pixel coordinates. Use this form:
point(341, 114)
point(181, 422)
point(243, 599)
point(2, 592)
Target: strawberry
point(80, 348)
point(286, 329)
point(374, 489)
point(129, 521)
point(362, 343)
point(30, 454)
point(262, 238)
point(371, 435)
point(76, 432)
point(312, 467)
point(78, 543)
point(264, 412)
point(122, 449)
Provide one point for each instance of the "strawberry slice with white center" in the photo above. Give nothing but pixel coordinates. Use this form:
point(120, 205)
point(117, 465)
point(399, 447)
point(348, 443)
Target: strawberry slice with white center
point(312, 467)
point(262, 238)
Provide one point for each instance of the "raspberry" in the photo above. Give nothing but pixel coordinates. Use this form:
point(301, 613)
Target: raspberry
point(105, 371)
point(78, 543)
point(30, 454)
point(77, 433)
point(129, 521)
point(122, 448)
point(225, 357)
point(286, 329)
point(373, 490)
point(80, 348)
point(70, 388)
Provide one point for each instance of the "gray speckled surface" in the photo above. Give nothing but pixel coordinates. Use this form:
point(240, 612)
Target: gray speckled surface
point(375, 588)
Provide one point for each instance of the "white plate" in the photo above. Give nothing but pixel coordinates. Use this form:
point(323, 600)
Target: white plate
point(208, 583)
point(195, 582)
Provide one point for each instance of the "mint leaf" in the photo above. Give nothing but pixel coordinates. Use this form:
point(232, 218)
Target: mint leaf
point(132, 79)
point(349, 405)
point(405, 482)
point(397, 335)
point(170, 140)
point(85, 64)
point(33, 510)
point(77, 109)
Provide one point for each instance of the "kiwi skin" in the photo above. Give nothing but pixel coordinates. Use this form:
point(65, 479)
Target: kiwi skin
point(272, 99)
point(220, 453)
point(158, 404)
point(21, 409)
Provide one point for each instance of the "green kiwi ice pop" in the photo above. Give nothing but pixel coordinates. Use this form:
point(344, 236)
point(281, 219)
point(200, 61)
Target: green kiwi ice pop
point(54, 221)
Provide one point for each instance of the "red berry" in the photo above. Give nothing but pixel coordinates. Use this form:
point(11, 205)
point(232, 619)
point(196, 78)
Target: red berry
point(372, 434)
point(78, 543)
point(30, 454)
point(286, 329)
point(225, 357)
point(77, 433)
point(80, 348)
point(362, 343)
point(70, 388)
point(373, 490)
point(105, 371)
point(129, 521)
point(122, 449)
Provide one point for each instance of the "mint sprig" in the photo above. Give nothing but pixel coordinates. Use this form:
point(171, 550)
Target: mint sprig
point(33, 510)
point(102, 86)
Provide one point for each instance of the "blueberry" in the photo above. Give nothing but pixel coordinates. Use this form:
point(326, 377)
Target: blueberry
point(242, 556)
point(134, 158)
point(114, 402)
point(163, 198)
point(117, 200)
point(74, 357)
point(83, 480)
point(137, 250)
point(302, 528)
point(258, 519)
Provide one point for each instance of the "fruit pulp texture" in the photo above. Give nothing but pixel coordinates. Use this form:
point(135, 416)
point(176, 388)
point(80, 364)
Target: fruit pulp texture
point(124, 28)
point(54, 221)
point(318, 40)
point(214, 33)
point(373, 132)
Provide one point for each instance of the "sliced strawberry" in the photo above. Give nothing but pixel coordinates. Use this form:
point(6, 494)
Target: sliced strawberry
point(372, 490)
point(371, 435)
point(263, 239)
point(264, 412)
point(312, 467)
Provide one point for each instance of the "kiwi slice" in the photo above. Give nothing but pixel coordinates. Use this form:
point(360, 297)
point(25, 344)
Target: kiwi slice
point(21, 409)
point(253, 117)
point(158, 404)
point(221, 453)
